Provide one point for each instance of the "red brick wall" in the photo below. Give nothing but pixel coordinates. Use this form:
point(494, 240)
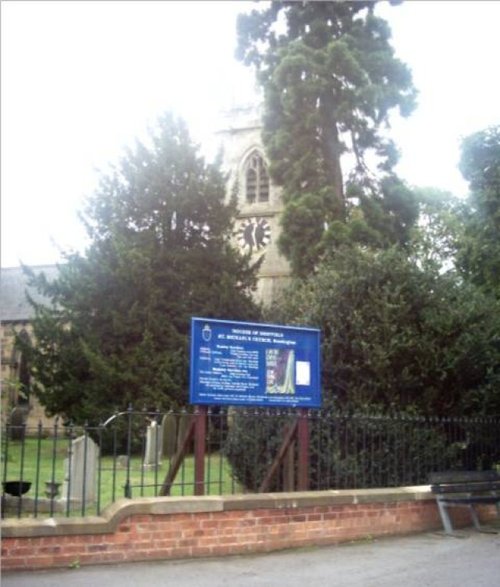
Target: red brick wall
point(235, 529)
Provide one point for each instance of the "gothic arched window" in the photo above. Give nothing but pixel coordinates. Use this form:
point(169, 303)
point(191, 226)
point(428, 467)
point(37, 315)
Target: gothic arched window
point(256, 179)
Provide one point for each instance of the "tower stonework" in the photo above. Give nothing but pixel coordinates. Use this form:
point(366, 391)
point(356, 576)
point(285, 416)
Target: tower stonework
point(257, 224)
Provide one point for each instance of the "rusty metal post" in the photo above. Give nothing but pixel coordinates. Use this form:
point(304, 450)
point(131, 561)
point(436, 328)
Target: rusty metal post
point(289, 468)
point(303, 447)
point(199, 450)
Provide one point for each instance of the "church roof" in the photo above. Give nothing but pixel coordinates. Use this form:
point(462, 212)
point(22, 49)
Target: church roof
point(14, 305)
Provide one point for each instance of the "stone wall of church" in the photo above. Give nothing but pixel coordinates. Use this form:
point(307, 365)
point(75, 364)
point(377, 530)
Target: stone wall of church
point(11, 397)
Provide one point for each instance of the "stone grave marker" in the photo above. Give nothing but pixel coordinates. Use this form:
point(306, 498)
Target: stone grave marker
point(184, 422)
point(122, 461)
point(154, 446)
point(80, 471)
point(169, 427)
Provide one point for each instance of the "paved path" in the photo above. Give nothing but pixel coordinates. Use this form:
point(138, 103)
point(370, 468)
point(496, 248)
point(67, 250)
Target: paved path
point(425, 560)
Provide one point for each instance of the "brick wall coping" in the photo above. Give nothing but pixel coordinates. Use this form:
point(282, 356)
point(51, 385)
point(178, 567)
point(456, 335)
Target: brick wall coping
point(111, 517)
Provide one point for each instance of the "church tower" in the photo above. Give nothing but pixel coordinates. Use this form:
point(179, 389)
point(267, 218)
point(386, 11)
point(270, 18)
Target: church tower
point(257, 225)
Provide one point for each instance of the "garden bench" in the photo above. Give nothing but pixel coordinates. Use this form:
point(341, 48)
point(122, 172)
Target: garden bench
point(465, 489)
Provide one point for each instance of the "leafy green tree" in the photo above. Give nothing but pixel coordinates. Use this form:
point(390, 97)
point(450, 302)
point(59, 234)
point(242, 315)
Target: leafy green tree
point(479, 251)
point(118, 328)
point(396, 336)
point(436, 236)
point(330, 81)
point(399, 337)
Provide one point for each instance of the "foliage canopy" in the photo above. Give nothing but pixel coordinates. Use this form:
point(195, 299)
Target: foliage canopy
point(479, 250)
point(117, 330)
point(330, 80)
point(396, 336)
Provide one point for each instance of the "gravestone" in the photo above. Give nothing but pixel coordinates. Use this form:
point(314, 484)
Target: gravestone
point(17, 423)
point(184, 422)
point(154, 446)
point(169, 427)
point(80, 471)
point(122, 461)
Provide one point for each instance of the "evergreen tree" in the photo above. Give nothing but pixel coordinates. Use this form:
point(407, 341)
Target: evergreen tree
point(330, 80)
point(436, 238)
point(398, 336)
point(479, 250)
point(118, 328)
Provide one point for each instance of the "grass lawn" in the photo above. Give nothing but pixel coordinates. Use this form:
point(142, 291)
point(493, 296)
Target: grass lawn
point(43, 460)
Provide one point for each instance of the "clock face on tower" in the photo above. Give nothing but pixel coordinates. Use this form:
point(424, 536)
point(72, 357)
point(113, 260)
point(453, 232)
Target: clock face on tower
point(253, 234)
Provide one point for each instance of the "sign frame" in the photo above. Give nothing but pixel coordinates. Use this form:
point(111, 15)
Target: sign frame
point(254, 364)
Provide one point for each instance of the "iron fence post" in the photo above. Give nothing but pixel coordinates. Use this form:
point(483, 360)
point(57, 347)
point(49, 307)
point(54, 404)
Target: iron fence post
point(127, 488)
point(37, 474)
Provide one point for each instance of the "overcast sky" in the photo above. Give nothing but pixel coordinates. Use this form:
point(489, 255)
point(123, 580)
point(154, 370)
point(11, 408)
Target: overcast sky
point(81, 80)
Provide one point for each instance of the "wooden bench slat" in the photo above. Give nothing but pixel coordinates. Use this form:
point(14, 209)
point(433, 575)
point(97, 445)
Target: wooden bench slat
point(463, 476)
point(466, 487)
point(492, 499)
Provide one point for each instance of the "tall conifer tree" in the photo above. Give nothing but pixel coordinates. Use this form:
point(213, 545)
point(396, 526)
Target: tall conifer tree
point(118, 329)
point(330, 80)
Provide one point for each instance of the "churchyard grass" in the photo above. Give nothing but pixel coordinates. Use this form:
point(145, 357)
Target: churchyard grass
point(42, 460)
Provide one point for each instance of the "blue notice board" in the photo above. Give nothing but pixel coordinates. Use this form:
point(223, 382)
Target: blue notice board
point(243, 363)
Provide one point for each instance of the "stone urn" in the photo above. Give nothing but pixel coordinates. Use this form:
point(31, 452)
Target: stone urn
point(52, 489)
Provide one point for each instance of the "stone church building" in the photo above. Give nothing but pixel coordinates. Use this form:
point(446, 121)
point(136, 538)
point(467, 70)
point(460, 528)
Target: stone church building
point(257, 229)
point(257, 226)
point(16, 315)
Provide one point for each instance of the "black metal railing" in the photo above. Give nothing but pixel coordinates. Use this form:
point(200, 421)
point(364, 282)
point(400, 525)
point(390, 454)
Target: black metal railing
point(69, 470)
